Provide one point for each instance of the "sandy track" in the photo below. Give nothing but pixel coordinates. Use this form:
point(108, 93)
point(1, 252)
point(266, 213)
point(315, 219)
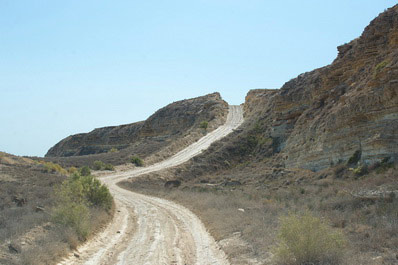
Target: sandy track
point(149, 230)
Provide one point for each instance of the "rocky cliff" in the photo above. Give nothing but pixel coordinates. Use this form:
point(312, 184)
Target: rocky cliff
point(167, 124)
point(322, 117)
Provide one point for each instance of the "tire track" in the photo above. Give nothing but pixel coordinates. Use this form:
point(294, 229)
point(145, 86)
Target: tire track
point(150, 230)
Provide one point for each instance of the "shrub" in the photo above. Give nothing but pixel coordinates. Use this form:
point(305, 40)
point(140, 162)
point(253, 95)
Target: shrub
point(98, 165)
point(72, 170)
point(51, 167)
point(113, 150)
point(85, 171)
point(75, 215)
point(137, 161)
point(307, 239)
point(361, 170)
point(204, 125)
point(96, 193)
point(109, 167)
point(74, 196)
point(381, 66)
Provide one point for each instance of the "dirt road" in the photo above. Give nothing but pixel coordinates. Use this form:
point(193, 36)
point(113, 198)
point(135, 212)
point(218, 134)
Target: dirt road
point(148, 230)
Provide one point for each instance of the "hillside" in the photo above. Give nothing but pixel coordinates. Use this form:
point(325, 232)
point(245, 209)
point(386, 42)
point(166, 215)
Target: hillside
point(325, 143)
point(29, 233)
point(167, 131)
point(321, 118)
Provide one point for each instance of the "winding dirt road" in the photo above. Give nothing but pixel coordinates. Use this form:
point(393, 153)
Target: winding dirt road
point(148, 230)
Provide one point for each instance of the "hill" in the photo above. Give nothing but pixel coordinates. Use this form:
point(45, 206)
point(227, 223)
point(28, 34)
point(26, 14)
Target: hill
point(167, 131)
point(325, 143)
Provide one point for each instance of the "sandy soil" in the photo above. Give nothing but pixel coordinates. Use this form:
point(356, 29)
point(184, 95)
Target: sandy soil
point(150, 230)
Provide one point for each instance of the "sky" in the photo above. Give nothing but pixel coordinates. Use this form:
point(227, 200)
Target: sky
point(68, 67)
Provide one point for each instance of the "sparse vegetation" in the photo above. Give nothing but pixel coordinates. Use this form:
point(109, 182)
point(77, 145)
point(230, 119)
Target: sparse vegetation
point(306, 239)
point(74, 197)
point(368, 224)
point(204, 125)
point(136, 161)
point(85, 171)
point(113, 150)
point(109, 167)
point(51, 167)
point(381, 66)
point(360, 170)
point(99, 165)
point(72, 170)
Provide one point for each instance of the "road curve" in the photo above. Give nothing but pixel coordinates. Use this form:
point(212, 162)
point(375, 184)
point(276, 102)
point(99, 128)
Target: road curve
point(148, 230)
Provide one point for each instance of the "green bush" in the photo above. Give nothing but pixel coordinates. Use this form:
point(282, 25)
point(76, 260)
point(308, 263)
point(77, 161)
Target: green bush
point(307, 239)
point(74, 197)
point(137, 161)
point(51, 167)
point(85, 171)
point(95, 193)
point(74, 215)
point(109, 167)
point(204, 125)
point(98, 165)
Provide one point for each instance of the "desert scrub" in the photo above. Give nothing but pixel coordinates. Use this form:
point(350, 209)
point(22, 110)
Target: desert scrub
point(74, 215)
point(204, 125)
point(85, 171)
point(99, 165)
point(136, 161)
point(109, 167)
point(113, 150)
point(306, 239)
point(51, 167)
point(75, 197)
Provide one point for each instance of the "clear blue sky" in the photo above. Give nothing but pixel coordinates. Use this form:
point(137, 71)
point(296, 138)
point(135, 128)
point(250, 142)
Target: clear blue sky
point(72, 66)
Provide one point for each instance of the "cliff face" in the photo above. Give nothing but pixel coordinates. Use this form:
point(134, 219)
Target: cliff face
point(97, 141)
point(324, 116)
point(170, 122)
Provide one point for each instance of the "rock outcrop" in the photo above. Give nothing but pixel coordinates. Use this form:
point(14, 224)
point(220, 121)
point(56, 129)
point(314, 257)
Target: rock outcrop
point(322, 117)
point(173, 121)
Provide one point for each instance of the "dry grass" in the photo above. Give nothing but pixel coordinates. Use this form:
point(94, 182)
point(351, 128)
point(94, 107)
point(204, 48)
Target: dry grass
point(26, 202)
point(370, 225)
